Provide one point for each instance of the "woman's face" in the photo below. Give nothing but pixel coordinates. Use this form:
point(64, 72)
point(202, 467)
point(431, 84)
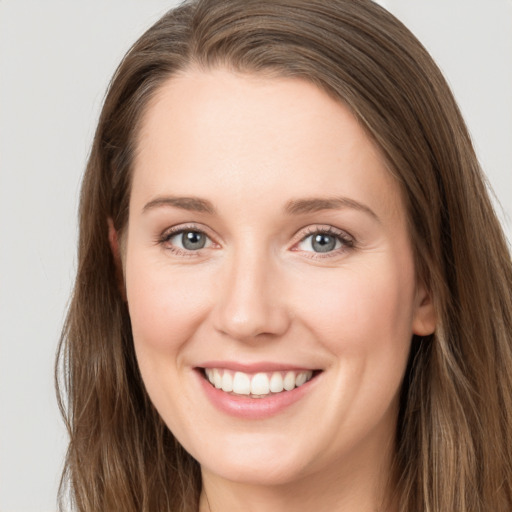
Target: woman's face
point(266, 249)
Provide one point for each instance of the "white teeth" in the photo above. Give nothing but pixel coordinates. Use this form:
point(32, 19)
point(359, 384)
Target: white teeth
point(241, 384)
point(276, 383)
point(227, 382)
point(217, 379)
point(289, 381)
point(301, 379)
point(260, 384)
point(256, 385)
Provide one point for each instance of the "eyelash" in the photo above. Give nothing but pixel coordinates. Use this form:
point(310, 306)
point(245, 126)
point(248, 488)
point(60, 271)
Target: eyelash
point(164, 238)
point(347, 241)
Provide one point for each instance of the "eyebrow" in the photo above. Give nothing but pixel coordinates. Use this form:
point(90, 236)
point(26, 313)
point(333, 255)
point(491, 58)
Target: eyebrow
point(311, 205)
point(293, 207)
point(193, 204)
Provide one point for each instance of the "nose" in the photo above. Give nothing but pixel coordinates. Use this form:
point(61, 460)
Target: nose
point(251, 304)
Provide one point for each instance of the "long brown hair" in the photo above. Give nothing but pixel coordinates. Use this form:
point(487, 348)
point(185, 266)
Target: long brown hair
point(454, 435)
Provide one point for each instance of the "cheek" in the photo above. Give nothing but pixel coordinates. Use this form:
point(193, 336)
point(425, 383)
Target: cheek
point(363, 308)
point(165, 305)
point(363, 318)
point(166, 308)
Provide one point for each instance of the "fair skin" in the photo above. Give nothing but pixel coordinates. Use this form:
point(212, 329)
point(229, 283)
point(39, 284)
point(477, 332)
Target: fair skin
point(266, 236)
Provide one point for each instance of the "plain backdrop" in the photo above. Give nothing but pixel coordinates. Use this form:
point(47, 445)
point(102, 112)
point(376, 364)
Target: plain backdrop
point(56, 58)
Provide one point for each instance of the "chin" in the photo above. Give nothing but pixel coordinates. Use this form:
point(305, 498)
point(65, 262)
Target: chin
point(272, 463)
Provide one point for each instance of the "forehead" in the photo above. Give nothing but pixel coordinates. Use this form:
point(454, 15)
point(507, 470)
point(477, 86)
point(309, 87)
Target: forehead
point(212, 130)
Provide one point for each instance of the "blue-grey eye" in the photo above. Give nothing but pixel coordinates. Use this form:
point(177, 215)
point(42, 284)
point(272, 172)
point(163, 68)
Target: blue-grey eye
point(193, 240)
point(323, 243)
point(188, 240)
point(320, 242)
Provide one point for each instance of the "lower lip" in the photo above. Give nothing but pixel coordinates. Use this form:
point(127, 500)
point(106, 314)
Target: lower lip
point(242, 406)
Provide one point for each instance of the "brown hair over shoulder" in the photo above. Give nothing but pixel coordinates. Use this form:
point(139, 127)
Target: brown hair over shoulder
point(453, 444)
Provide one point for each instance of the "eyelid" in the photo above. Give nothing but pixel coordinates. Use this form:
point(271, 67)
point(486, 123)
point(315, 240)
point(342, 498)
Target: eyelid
point(302, 233)
point(166, 234)
point(347, 240)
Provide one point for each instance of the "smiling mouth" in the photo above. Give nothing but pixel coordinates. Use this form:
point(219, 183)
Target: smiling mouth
point(257, 385)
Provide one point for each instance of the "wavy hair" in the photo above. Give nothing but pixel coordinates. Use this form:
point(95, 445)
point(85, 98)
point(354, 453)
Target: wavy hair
point(454, 434)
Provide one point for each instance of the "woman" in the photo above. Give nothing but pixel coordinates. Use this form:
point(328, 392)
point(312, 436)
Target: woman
point(292, 292)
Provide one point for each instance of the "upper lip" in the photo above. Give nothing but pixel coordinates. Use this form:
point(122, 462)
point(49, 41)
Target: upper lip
point(255, 367)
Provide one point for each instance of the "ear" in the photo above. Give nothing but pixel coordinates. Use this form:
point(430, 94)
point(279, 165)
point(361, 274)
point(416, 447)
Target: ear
point(113, 240)
point(424, 320)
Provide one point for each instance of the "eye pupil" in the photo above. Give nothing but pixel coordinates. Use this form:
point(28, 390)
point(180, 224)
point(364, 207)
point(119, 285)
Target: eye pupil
point(193, 240)
point(323, 243)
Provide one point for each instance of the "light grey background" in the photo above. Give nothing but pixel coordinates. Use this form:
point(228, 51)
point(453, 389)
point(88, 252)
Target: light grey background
point(56, 58)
